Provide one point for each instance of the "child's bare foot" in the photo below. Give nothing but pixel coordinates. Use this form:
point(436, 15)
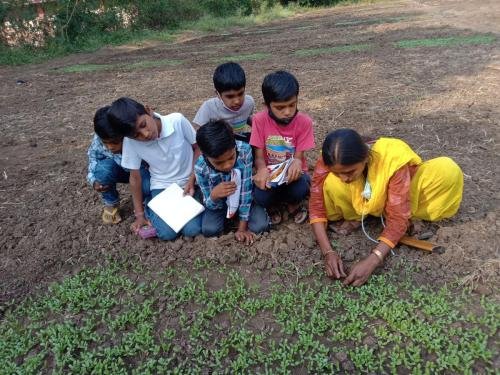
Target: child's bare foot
point(110, 215)
point(298, 212)
point(275, 215)
point(345, 227)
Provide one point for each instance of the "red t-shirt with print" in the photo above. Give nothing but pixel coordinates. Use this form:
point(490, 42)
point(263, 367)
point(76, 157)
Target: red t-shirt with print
point(281, 142)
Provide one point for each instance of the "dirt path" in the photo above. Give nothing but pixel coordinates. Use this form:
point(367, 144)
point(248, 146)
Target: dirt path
point(425, 71)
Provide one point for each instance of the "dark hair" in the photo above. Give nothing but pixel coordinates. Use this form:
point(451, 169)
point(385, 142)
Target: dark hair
point(345, 147)
point(102, 127)
point(123, 114)
point(229, 76)
point(215, 138)
point(279, 87)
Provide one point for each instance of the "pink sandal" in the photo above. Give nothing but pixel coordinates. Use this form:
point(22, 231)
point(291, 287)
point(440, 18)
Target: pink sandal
point(147, 231)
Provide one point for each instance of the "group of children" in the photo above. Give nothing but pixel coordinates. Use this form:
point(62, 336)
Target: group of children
point(134, 144)
point(260, 159)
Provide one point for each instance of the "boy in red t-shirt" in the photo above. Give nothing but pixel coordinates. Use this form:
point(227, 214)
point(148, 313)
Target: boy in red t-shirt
point(281, 134)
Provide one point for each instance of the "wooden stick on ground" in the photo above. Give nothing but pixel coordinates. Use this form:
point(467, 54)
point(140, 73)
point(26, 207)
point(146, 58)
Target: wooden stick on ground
point(422, 245)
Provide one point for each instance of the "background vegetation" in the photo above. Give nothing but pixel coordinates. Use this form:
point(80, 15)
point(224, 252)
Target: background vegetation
point(83, 25)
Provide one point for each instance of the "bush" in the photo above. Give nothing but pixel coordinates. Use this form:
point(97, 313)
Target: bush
point(161, 14)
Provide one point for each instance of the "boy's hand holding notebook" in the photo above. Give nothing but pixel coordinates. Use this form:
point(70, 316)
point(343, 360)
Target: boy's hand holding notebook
point(278, 173)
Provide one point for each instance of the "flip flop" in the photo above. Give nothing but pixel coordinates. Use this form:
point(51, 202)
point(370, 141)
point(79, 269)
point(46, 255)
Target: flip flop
point(111, 217)
point(300, 214)
point(147, 231)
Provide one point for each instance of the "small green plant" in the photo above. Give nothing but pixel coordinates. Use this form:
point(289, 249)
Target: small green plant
point(120, 319)
point(445, 42)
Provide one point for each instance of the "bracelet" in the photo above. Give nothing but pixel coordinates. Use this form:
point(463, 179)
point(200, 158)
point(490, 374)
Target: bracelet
point(379, 254)
point(136, 214)
point(328, 252)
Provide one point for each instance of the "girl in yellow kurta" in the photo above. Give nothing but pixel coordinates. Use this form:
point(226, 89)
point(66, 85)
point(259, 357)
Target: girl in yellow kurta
point(386, 178)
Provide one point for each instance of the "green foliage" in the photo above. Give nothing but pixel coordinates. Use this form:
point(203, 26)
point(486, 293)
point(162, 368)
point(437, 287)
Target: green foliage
point(107, 321)
point(165, 14)
point(75, 25)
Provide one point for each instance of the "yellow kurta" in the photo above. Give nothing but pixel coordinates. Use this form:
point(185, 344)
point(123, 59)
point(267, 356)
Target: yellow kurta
point(435, 191)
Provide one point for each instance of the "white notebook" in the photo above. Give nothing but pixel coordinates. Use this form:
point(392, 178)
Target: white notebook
point(174, 208)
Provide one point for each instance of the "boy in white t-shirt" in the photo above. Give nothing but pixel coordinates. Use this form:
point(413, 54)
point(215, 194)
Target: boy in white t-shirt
point(231, 103)
point(168, 145)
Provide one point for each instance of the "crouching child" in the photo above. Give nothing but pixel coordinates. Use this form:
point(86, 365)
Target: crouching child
point(105, 167)
point(215, 173)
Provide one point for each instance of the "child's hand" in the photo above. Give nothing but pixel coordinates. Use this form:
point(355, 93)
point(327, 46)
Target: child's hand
point(260, 179)
point(223, 190)
point(100, 188)
point(139, 222)
point(294, 171)
point(189, 188)
point(244, 236)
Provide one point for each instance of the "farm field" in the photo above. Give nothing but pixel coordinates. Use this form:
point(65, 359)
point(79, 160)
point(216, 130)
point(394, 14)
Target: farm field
point(76, 295)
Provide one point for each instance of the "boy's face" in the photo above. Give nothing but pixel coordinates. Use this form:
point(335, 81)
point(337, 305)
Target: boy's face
point(284, 110)
point(147, 127)
point(233, 99)
point(225, 162)
point(113, 145)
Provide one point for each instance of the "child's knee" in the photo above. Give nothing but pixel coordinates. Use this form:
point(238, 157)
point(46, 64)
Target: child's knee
point(166, 234)
point(259, 220)
point(259, 226)
point(105, 171)
point(192, 228)
point(263, 198)
point(298, 192)
point(211, 230)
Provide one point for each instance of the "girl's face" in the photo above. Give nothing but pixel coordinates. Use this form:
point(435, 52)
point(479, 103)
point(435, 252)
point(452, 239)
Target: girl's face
point(348, 173)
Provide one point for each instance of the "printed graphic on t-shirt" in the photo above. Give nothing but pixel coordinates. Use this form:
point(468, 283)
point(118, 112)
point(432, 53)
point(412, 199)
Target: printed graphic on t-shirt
point(279, 148)
point(241, 126)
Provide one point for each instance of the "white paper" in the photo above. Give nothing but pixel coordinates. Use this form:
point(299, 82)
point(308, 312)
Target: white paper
point(233, 201)
point(174, 208)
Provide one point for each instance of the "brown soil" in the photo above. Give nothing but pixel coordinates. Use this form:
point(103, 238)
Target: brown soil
point(441, 100)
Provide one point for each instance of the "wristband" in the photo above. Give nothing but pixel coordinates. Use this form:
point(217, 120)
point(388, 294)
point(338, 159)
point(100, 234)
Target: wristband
point(379, 254)
point(136, 214)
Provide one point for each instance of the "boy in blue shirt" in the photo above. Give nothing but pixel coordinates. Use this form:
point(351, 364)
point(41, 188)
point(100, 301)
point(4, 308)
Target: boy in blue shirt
point(168, 145)
point(231, 103)
point(105, 169)
point(220, 155)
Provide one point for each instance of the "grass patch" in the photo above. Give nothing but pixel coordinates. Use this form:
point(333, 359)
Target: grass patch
point(446, 42)
point(332, 50)
point(86, 68)
point(249, 57)
point(89, 68)
point(107, 320)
